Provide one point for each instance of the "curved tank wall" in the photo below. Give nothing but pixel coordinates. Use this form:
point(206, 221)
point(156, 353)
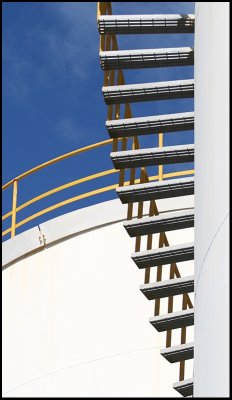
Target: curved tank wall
point(74, 320)
point(211, 355)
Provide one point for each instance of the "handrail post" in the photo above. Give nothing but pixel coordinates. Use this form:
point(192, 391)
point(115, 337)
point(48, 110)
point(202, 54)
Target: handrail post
point(14, 206)
point(160, 168)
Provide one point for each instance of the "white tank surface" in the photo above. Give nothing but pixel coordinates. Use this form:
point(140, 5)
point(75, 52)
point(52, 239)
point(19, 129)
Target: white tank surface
point(74, 320)
point(211, 354)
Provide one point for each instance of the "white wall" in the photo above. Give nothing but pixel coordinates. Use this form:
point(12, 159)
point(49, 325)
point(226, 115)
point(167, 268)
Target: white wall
point(74, 320)
point(211, 358)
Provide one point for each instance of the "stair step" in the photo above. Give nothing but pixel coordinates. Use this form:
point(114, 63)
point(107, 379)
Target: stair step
point(126, 24)
point(171, 287)
point(150, 125)
point(178, 353)
point(153, 156)
point(185, 388)
point(146, 58)
point(173, 320)
point(164, 255)
point(161, 223)
point(148, 91)
point(156, 190)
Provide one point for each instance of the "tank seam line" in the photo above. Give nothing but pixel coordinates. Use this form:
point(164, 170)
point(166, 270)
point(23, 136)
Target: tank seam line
point(207, 251)
point(79, 364)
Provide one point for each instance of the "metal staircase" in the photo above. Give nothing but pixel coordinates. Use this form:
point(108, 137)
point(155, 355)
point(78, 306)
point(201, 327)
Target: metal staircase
point(125, 131)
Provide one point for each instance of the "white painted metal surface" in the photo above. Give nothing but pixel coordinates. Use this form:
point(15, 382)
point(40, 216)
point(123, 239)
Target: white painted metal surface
point(21, 245)
point(76, 222)
point(74, 320)
point(211, 357)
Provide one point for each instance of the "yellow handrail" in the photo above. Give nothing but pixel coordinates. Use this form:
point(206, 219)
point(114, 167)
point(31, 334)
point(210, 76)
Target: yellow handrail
point(57, 159)
point(81, 196)
point(61, 204)
point(59, 188)
point(15, 181)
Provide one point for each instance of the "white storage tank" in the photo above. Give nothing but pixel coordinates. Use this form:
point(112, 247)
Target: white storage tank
point(74, 320)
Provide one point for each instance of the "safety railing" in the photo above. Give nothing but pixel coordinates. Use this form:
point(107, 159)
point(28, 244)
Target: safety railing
point(13, 214)
point(108, 42)
point(15, 183)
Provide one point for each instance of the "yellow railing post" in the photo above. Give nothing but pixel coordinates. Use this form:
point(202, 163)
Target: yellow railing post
point(160, 168)
point(14, 206)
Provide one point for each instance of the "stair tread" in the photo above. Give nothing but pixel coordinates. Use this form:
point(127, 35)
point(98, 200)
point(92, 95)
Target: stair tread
point(156, 190)
point(164, 249)
point(153, 184)
point(148, 91)
point(160, 223)
point(150, 124)
point(150, 23)
point(146, 58)
point(153, 156)
point(185, 387)
point(173, 320)
point(162, 117)
point(137, 86)
point(145, 17)
point(147, 51)
point(170, 287)
point(178, 353)
point(164, 255)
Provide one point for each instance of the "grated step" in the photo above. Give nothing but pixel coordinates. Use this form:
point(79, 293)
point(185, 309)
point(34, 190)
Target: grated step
point(178, 353)
point(148, 91)
point(146, 58)
point(156, 190)
point(171, 287)
point(135, 24)
point(150, 125)
point(174, 320)
point(153, 156)
point(164, 255)
point(185, 388)
point(161, 223)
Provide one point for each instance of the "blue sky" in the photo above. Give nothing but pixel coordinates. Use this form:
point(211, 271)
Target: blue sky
point(52, 100)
